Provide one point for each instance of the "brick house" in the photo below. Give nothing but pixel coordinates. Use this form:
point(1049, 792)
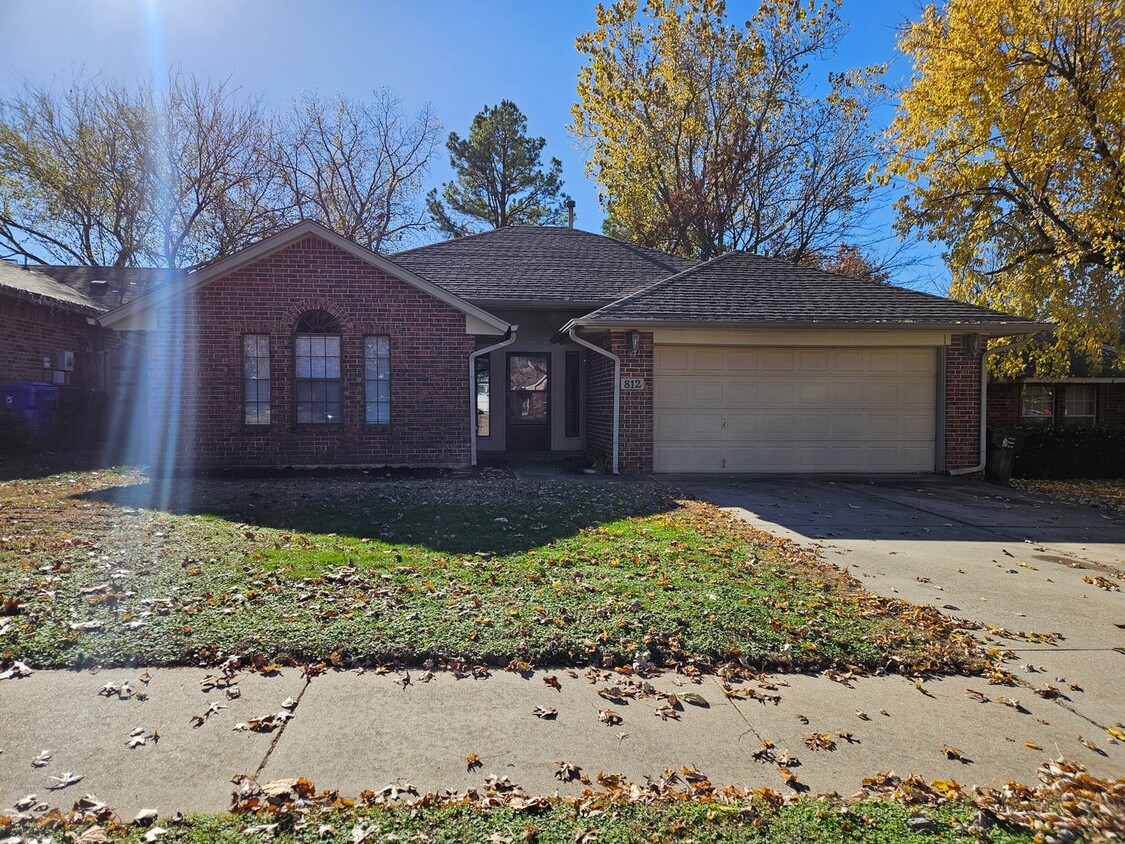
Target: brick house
point(1084, 397)
point(308, 350)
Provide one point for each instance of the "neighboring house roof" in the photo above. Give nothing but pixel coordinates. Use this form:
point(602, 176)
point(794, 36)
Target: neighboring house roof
point(531, 264)
point(32, 285)
point(112, 287)
point(743, 290)
point(133, 313)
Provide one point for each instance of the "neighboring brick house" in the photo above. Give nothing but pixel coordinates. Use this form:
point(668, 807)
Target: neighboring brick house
point(308, 350)
point(1085, 397)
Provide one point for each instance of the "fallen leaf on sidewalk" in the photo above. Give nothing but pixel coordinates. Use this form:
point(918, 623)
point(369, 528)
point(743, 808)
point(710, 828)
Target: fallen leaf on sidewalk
point(609, 717)
point(695, 700)
point(1012, 702)
point(819, 741)
point(861, 715)
point(1032, 745)
point(953, 753)
point(545, 714)
point(553, 682)
point(665, 711)
point(68, 778)
point(1090, 745)
point(42, 759)
point(567, 771)
point(472, 762)
point(1116, 733)
point(973, 694)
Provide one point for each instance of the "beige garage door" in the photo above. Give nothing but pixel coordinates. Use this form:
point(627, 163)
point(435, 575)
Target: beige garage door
point(742, 409)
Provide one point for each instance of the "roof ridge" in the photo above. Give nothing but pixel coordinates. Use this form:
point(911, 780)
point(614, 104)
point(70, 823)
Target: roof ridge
point(656, 284)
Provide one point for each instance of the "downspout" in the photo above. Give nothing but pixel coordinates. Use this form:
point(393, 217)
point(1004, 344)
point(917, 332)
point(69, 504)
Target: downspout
point(509, 338)
point(983, 409)
point(573, 334)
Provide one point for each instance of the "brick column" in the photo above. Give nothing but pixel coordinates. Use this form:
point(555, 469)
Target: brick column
point(635, 432)
point(962, 404)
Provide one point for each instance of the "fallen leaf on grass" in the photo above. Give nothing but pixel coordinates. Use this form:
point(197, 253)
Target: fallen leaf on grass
point(545, 714)
point(567, 771)
point(472, 762)
point(155, 832)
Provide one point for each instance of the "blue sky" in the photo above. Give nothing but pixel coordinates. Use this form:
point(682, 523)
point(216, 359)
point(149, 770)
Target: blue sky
point(457, 55)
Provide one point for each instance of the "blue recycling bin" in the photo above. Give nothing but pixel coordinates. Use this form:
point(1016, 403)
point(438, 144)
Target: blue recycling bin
point(35, 401)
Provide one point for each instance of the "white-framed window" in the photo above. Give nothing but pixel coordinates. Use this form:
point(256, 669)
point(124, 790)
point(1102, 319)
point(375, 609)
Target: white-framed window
point(316, 357)
point(1037, 403)
point(256, 379)
point(377, 379)
point(1080, 404)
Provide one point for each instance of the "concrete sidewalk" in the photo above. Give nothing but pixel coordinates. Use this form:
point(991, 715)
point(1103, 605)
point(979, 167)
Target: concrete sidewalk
point(354, 731)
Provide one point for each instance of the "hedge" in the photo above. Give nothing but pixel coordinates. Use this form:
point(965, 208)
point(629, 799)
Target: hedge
point(1070, 451)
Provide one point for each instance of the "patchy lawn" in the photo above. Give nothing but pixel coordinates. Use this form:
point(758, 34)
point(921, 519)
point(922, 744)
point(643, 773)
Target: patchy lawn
point(362, 569)
point(1068, 804)
point(1108, 495)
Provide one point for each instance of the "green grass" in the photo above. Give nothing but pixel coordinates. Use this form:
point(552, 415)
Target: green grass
point(484, 570)
point(810, 820)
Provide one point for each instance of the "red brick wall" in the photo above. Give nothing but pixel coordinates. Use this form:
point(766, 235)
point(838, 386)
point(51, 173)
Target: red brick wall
point(1003, 404)
point(29, 332)
point(429, 380)
point(635, 433)
point(962, 405)
point(1111, 404)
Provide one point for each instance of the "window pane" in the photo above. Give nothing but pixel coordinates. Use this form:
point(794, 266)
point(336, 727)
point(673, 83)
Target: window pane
point(304, 366)
point(1080, 403)
point(332, 346)
point(255, 379)
point(377, 375)
point(304, 391)
point(332, 366)
point(484, 403)
point(1038, 402)
point(304, 346)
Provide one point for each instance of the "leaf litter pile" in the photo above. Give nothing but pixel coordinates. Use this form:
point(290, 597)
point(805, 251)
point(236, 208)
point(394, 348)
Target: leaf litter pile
point(1067, 805)
point(480, 570)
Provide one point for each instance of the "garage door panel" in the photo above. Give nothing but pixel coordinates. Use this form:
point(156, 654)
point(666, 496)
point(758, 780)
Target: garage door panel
point(794, 410)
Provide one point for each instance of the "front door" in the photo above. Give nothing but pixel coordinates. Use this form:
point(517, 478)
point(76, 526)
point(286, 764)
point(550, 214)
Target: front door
point(529, 421)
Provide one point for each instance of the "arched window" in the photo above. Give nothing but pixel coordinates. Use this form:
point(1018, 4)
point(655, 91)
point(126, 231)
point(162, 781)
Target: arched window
point(318, 388)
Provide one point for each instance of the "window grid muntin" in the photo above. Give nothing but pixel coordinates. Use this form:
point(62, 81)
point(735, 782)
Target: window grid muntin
point(256, 379)
point(318, 383)
point(1037, 403)
point(377, 379)
point(1080, 404)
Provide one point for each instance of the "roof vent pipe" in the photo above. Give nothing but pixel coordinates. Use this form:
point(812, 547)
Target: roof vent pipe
point(569, 213)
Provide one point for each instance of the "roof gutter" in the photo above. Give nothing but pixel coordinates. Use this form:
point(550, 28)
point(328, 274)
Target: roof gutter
point(509, 338)
point(998, 329)
point(983, 410)
point(572, 332)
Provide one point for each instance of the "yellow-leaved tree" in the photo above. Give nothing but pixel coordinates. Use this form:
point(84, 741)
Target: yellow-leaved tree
point(707, 135)
point(1009, 138)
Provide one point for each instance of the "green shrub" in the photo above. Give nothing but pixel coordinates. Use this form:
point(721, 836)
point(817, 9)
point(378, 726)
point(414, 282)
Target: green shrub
point(1070, 451)
point(15, 436)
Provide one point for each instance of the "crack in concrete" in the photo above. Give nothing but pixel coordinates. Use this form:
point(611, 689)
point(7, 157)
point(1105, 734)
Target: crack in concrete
point(281, 730)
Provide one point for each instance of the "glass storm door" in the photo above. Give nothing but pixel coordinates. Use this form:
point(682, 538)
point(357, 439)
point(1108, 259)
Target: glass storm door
point(529, 421)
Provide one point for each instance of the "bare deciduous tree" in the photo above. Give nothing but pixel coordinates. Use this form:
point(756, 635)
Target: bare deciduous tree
point(358, 166)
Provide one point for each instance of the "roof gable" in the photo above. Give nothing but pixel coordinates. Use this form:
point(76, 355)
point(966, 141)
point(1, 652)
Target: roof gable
point(133, 312)
point(739, 289)
point(548, 264)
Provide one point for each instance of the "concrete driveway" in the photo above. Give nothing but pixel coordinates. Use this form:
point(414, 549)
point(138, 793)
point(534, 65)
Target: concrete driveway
point(993, 555)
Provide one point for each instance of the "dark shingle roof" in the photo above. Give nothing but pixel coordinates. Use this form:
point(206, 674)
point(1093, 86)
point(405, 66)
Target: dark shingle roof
point(539, 264)
point(743, 289)
point(35, 286)
point(122, 284)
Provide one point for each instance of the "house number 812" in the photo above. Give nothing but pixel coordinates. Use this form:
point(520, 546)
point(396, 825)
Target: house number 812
point(632, 383)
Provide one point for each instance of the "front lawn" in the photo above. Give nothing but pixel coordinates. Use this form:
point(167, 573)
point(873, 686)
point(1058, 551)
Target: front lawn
point(109, 568)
